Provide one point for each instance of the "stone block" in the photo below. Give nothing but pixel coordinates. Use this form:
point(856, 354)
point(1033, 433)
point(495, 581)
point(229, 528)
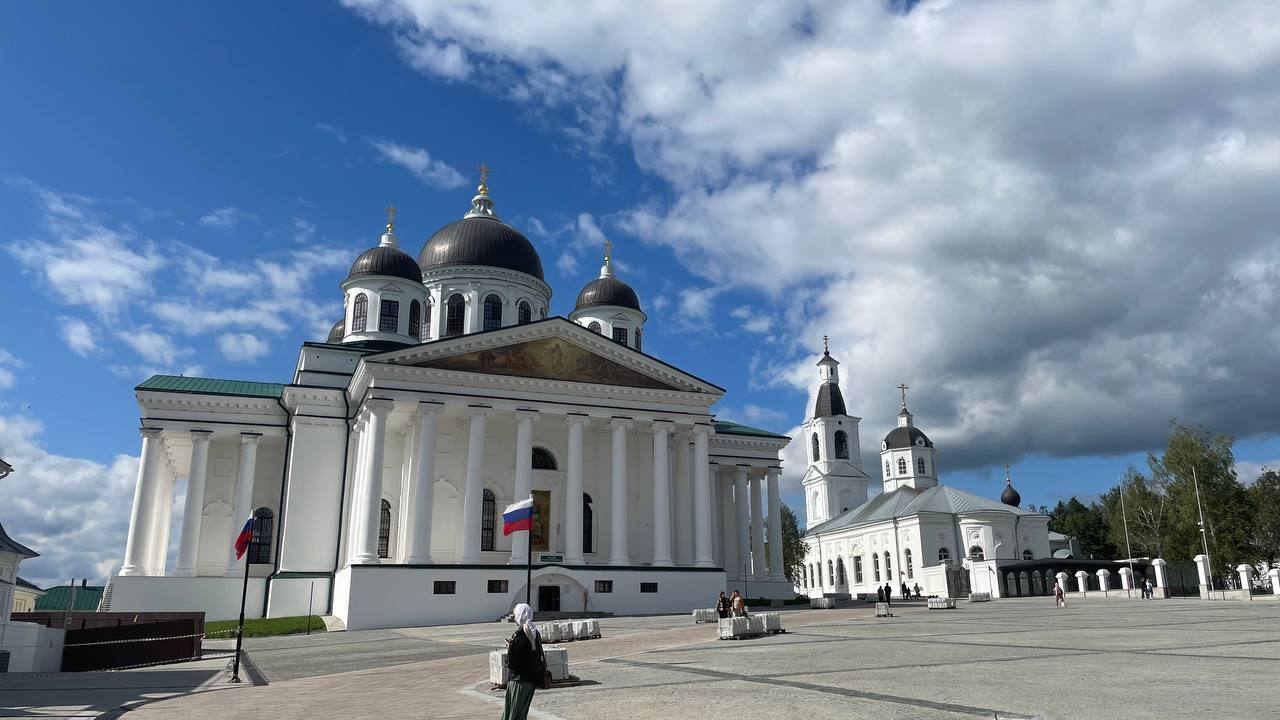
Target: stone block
point(557, 661)
point(882, 609)
point(705, 615)
point(772, 622)
point(734, 627)
point(979, 597)
point(942, 603)
point(755, 625)
point(822, 603)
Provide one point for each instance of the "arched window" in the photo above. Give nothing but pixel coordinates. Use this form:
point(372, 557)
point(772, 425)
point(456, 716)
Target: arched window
point(813, 581)
point(586, 523)
point(902, 466)
point(815, 503)
point(426, 319)
point(976, 553)
point(389, 316)
point(639, 333)
point(486, 521)
point(415, 319)
point(360, 313)
point(842, 445)
point(857, 569)
point(524, 313)
point(543, 459)
point(831, 573)
point(888, 569)
point(492, 312)
point(840, 579)
point(887, 471)
point(875, 565)
point(815, 447)
point(920, 465)
point(263, 522)
point(804, 577)
point(1028, 555)
point(455, 311)
point(907, 559)
point(594, 326)
point(620, 335)
point(384, 530)
point(943, 554)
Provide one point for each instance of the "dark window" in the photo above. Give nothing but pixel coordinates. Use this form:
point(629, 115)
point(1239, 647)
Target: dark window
point(976, 553)
point(920, 465)
point(543, 459)
point(888, 569)
point(1027, 555)
point(492, 312)
point(586, 523)
point(444, 587)
point(907, 559)
point(594, 326)
point(384, 530)
point(831, 573)
point(902, 466)
point(604, 586)
point(389, 316)
point(524, 313)
point(455, 310)
point(426, 319)
point(497, 586)
point(887, 471)
point(260, 550)
point(857, 570)
point(840, 580)
point(486, 521)
point(875, 565)
point(620, 335)
point(360, 313)
point(639, 335)
point(648, 587)
point(943, 554)
point(842, 445)
point(815, 447)
point(415, 319)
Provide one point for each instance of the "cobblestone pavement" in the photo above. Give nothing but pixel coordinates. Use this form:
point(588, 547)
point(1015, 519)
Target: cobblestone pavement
point(1015, 658)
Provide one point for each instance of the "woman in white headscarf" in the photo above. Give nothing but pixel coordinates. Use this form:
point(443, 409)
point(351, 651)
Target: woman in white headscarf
point(526, 665)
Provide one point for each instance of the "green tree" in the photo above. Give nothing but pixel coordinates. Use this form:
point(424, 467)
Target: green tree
point(1087, 524)
point(1264, 511)
point(1146, 505)
point(793, 547)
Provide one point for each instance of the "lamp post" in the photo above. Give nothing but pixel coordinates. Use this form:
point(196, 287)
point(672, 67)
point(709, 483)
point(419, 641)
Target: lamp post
point(1204, 538)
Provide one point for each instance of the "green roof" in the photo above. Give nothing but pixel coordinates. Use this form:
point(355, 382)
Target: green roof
point(57, 597)
point(210, 386)
point(724, 427)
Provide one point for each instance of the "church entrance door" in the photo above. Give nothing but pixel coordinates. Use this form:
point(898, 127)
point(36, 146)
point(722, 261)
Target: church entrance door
point(549, 598)
point(958, 582)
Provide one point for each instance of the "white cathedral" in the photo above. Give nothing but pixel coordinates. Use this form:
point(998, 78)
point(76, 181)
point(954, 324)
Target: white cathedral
point(377, 476)
point(916, 531)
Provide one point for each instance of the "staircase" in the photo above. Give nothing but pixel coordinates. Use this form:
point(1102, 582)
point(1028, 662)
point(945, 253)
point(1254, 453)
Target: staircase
point(104, 605)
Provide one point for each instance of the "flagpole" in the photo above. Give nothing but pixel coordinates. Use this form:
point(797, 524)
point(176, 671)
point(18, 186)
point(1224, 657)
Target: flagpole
point(1125, 517)
point(1204, 538)
point(244, 591)
point(528, 559)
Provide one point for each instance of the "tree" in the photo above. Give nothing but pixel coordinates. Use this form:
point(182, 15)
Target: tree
point(793, 547)
point(1146, 505)
point(1087, 524)
point(1264, 511)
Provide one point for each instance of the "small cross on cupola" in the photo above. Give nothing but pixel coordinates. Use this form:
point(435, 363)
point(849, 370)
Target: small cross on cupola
point(904, 415)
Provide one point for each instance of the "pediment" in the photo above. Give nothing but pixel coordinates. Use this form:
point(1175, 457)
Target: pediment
point(550, 358)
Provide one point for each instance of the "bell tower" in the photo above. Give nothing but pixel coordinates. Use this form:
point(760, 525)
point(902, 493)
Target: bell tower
point(834, 480)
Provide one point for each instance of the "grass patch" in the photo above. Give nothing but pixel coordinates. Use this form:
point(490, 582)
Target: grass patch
point(264, 627)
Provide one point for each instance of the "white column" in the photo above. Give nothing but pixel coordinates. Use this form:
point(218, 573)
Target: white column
point(684, 503)
point(159, 543)
point(244, 494)
point(371, 488)
point(661, 495)
point(759, 568)
point(193, 507)
point(1159, 565)
point(776, 569)
point(1082, 580)
point(1246, 577)
point(524, 479)
point(730, 560)
point(701, 498)
point(744, 520)
point(1126, 579)
point(144, 500)
point(422, 485)
point(473, 495)
point(573, 492)
point(1104, 580)
point(618, 493)
point(356, 509)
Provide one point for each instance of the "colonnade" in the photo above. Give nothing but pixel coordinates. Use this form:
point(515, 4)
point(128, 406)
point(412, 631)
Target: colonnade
point(744, 525)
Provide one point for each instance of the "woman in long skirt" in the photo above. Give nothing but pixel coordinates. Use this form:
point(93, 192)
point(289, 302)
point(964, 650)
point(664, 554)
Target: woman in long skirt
point(525, 664)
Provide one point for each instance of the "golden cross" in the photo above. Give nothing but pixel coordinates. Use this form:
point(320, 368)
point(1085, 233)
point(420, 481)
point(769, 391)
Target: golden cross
point(1006, 473)
point(904, 389)
point(391, 216)
point(608, 249)
point(484, 173)
point(826, 348)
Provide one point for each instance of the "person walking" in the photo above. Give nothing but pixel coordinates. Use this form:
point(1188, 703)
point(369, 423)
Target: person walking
point(526, 665)
point(917, 589)
point(888, 594)
point(739, 605)
point(879, 594)
point(906, 592)
point(1059, 598)
point(723, 607)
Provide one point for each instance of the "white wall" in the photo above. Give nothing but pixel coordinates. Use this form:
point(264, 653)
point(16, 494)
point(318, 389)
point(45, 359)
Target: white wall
point(289, 597)
point(33, 647)
point(219, 597)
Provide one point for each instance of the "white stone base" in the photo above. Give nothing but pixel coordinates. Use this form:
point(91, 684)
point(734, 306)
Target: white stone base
point(768, 589)
point(33, 647)
point(218, 597)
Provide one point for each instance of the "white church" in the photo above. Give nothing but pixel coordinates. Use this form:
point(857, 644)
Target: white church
point(916, 531)
point(377, 476)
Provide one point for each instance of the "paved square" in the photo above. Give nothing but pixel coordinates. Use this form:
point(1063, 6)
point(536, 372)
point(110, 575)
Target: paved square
point(1009, 658)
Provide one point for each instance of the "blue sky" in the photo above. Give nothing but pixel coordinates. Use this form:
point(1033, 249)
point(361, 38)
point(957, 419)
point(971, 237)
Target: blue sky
point(183, 187)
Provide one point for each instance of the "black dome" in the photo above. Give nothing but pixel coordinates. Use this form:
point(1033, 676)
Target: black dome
point(386, 260)
point(904, 437)
point(337, 332)
point(830, 401)
point(481, 241)
point(608, 291)
point(1010, 496)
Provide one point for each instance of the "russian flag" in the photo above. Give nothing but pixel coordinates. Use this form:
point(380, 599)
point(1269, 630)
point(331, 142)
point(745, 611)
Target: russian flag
point(243, 539)
point(518, 516)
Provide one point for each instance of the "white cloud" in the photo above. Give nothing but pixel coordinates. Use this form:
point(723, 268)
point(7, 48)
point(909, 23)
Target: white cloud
point(418, 161)
point(332, 131)
point(242, 347)
point(154, 347)
point(8, 363)
point(226, 218)
point(78, 336)
point(1004, 204)
point(752, 320)
point(567, 264)
point(1248, 471)
point(73, 511)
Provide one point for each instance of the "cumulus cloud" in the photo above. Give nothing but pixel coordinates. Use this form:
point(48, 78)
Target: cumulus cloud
point(73, 511)
point(154, 347)
point(226, 218)
point(418, 161)
point(78, 335)
point(1009, 206)
point(9, 363)
point(242, 347)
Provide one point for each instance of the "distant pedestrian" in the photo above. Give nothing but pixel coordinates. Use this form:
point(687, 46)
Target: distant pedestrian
point(888, 594)
point(526, 665)
point(917, 588)
point(723, 607)
point(879, 594)
point(906, 593)
point(1059, 598)
point(739, 605)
